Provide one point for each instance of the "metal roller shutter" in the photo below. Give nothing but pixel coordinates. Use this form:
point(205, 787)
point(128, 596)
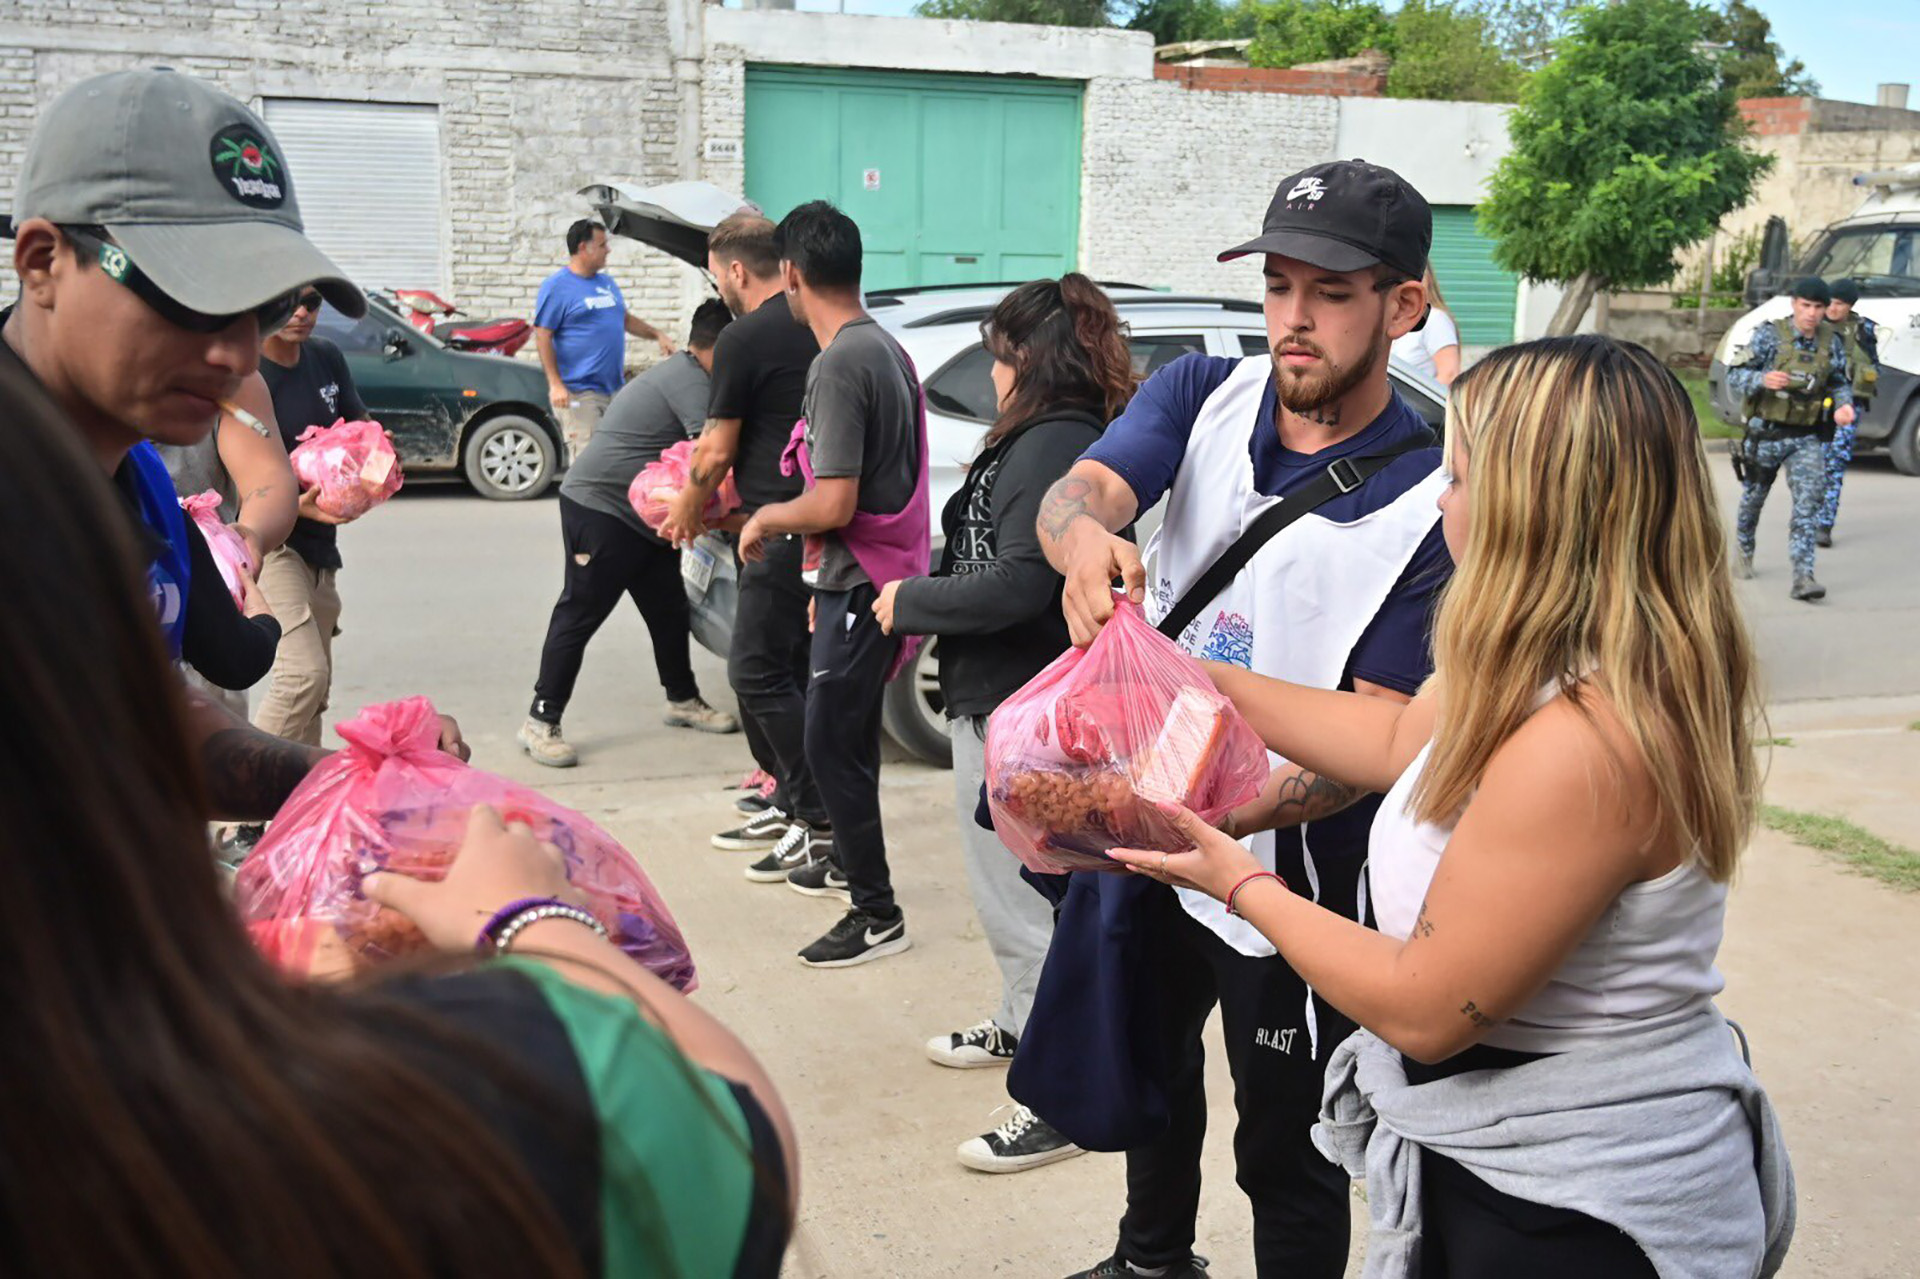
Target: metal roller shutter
point(367, 175)
point(1479, 294)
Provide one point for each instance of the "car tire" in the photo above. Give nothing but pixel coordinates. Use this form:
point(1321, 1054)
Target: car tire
point(914, 713)
point(1904, 443)
point(509, 458)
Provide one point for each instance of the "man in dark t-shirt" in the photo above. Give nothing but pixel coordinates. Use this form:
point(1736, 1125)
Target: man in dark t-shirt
point(610, 551)
point(308, 379)
point(759, 377)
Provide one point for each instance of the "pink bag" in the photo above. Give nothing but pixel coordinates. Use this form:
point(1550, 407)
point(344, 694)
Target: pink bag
point(230, 552)
point(393, 798)
point(351, 466)
point(1079, 757)
point(659, 482)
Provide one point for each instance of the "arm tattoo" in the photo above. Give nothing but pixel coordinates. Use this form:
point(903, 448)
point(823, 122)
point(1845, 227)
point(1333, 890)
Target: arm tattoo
point(1422, 926)
point(1306, 797)
point(250, 773)
point(1065, 502)
point(1472, 1013)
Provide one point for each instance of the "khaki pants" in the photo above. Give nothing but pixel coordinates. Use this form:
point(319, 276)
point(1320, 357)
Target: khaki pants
point(579, 418)
point(294, 694)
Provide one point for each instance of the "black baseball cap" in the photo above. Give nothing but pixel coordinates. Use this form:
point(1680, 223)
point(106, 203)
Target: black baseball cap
point(1813, 289)
point(1346, 215)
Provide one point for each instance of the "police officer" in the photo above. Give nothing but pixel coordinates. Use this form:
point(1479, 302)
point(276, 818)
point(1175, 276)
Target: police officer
point(1794, 367)
point(1863, 361)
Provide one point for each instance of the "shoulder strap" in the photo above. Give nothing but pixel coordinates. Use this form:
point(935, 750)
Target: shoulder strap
point(1343, 475)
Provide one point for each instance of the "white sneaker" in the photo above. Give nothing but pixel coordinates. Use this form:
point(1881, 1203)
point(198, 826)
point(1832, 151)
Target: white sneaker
point(694, 713)
point(1024, 1141)
point(980, 1045)
point(543, 741)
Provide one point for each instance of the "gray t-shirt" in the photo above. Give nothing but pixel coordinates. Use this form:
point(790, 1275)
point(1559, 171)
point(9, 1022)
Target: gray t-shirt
point(862, 407)
point(648, 416)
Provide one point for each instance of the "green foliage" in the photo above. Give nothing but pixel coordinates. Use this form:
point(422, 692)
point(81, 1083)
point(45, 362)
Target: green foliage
point(1177, 21)
point(1732, 261)
point(1859, 848)
point(1626, 147)
point(1288, 32)
point(1755, 66)
point(1052, 13)
point(1448, 51)
point(1711, 427)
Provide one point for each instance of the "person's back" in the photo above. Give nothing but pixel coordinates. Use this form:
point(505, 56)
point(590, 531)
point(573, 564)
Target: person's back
point(658, 409)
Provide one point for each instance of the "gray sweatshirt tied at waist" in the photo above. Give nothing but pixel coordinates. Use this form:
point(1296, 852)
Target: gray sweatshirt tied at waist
point(1666, 1135)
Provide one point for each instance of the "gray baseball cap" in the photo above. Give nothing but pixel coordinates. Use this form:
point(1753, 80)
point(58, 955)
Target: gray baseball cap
point(189, 183)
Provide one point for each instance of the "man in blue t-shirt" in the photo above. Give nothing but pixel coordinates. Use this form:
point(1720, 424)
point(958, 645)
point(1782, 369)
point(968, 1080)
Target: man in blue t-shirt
point(580, 324)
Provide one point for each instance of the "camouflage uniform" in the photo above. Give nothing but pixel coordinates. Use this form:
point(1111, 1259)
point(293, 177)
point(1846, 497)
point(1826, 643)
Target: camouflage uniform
point(1863, 352)
point(1771, 446)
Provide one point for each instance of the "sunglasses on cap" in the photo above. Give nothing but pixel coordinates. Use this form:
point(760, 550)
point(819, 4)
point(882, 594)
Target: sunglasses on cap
point(271, 315)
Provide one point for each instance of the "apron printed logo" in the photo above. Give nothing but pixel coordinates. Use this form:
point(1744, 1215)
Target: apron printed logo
point(248, 167)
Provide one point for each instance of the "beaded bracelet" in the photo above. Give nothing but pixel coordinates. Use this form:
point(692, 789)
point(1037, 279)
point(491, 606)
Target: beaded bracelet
point(1235, 892)
point(509, 920)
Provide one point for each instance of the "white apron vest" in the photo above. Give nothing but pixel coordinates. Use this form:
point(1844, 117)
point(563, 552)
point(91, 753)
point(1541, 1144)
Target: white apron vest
point(1298, 608)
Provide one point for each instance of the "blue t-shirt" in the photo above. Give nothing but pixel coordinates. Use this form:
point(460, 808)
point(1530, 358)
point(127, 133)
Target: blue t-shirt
point(588, 319)
point(148, 488)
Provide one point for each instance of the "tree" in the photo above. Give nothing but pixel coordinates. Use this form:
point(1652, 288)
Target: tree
point(1525, 30)
point(1445, 50)
point(1288, 32)
point(1754, 64)
point(1626, 147)
point(1175, 21)
point(1051, 13)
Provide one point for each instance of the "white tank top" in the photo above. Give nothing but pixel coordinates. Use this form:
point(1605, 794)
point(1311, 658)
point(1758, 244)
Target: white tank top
point(1648, 960)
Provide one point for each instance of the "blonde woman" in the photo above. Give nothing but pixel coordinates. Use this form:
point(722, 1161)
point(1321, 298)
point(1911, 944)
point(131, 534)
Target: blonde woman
point(1542, 1084)
point(1434, 347)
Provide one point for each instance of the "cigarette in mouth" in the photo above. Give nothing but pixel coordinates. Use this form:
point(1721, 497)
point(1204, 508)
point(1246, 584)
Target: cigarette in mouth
point(245, 418)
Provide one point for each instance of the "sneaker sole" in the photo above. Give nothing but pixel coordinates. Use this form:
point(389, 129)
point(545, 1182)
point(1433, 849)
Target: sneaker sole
point(751, 808)
point(844, 894)
point(947, 1057)
point(987, 1163)
point(759, 876)
point(732, 844)
point(674, 721)
point(881, 951)
point(537, 758)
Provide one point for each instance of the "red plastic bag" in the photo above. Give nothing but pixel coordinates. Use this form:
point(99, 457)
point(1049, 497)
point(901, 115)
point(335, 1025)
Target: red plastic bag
point(230, 552)
point(351, 466)
point(652, 492)
point(394, 799)
point(1079, 757)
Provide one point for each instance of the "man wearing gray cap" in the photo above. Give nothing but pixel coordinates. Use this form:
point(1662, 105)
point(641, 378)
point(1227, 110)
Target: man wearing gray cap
point(157, 240)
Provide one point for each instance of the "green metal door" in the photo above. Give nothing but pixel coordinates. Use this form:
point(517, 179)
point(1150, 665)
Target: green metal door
point(952, 179)
point(1479, 294)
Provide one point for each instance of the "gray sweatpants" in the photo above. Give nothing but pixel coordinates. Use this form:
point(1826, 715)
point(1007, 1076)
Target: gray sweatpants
point(1017, 920)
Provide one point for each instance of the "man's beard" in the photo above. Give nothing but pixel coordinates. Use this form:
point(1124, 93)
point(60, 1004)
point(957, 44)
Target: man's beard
point(731, 300)
point(1304, 392)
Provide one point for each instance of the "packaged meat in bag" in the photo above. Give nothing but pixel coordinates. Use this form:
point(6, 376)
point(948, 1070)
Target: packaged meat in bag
point(393, 800)
point(350, 466)
point(230, 553)
point(659, 482)
point(1079, 759)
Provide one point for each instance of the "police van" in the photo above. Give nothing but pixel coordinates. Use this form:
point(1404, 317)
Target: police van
point(1879, 249)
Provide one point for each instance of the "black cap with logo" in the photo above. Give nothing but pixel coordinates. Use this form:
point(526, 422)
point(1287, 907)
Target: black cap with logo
point(1344, 216)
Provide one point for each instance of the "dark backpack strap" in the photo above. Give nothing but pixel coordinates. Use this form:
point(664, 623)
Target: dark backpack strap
point(1343, 475)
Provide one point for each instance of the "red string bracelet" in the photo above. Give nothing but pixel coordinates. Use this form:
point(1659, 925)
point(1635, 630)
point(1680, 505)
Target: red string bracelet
point(1258, 874)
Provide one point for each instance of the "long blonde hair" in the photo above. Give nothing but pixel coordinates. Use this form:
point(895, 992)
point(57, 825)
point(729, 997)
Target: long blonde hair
point(1595, 557)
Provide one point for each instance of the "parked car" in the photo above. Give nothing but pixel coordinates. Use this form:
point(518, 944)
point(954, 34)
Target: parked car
point(451, 413)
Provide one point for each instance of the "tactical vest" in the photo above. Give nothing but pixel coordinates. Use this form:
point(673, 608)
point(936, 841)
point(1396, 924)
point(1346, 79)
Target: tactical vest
point(1866, 374)
point(1803, 402)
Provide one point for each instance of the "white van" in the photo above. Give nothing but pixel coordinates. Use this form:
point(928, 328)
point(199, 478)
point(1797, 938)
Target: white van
point(1879, 249)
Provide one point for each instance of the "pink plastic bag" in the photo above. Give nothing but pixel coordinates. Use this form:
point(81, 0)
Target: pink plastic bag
point(394, 799)
point(230, 553)
point(1079, 757)
point(652, 492)
point(351, 466)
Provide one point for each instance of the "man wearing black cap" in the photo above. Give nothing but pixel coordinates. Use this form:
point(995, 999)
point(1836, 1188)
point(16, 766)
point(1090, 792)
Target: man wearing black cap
point(157, 240)
point(1862, 337)
point(1338, 598)
point(1795, 367)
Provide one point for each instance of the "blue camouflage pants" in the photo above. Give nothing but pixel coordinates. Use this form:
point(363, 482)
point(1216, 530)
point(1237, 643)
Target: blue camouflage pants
point(1839, 453)
point(1804, 458)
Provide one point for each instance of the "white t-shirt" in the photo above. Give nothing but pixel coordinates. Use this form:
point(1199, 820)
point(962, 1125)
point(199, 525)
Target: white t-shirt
point(1417, 348)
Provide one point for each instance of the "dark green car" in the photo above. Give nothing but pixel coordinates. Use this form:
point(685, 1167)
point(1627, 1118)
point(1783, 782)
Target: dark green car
point(451, 412)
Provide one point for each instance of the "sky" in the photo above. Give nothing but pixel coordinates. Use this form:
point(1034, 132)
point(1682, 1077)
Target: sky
point(1849, 46)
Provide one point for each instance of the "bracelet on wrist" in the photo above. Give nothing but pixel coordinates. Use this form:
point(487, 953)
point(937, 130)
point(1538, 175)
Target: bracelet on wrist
point(1234, 893)
point(510, 920)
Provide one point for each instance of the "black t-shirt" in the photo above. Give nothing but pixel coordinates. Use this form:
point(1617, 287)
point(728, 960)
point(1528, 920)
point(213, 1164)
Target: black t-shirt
point(760, 377)
point(317, 391)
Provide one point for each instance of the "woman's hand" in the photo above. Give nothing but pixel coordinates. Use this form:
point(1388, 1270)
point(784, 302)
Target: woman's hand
point(310, 509)
point(883, 606)
point(498, 863)
point(1214, 865)
point(255, 604)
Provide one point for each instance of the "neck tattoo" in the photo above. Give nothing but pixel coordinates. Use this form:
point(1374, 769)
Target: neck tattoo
point(1325, 415)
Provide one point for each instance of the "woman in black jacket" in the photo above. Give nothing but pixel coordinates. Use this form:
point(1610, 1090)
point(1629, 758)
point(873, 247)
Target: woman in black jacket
point(1062, 371)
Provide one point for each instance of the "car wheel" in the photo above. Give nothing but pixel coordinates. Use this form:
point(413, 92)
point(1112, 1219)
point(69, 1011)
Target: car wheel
point(509, 459)
point(915, 714)
point(1904, 443)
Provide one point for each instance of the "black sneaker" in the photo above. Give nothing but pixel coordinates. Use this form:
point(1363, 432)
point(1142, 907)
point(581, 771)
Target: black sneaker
point(820, 877)
point(1114, 1268)
point(1805, 588)
point(762, 831)
point(856, 939)
point(982, 1045)
point(752, 804)
point(236, 842)
point(1024, 1141)
point(795, 850)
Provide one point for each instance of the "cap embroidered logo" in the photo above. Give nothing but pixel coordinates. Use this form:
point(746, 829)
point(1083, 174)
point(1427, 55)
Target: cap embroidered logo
point(1311, 188)
point(113, 262)
point(248, 168)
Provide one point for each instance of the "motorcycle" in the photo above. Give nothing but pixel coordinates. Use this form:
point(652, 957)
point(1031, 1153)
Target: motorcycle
point(424, 309)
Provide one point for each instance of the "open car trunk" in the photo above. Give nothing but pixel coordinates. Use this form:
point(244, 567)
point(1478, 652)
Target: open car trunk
point(674, 217)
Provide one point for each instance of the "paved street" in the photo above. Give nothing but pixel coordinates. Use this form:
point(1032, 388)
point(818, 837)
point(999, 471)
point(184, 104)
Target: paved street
point(448, 595)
